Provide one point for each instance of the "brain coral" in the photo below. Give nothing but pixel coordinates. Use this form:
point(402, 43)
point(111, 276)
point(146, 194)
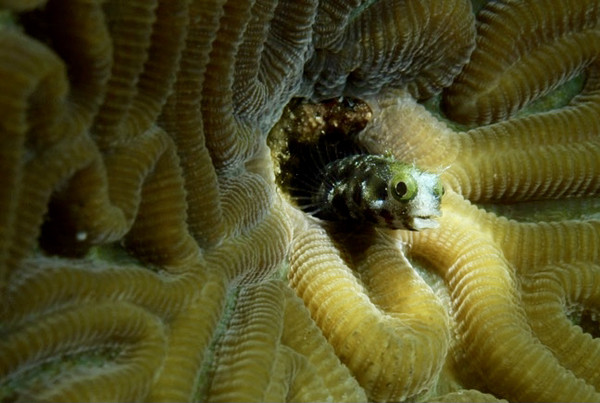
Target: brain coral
point(147, 254)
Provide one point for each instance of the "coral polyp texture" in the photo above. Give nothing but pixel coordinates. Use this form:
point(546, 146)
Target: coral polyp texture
point(148, 253)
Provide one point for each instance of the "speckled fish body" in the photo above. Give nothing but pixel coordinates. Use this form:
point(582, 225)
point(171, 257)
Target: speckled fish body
point(379, 190)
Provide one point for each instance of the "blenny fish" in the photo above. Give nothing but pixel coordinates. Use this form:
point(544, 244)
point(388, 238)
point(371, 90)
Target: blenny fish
point(376, 189)
point(332, 177)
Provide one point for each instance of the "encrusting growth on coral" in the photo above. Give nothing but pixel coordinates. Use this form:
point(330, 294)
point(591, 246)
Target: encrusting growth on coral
point(149, 252)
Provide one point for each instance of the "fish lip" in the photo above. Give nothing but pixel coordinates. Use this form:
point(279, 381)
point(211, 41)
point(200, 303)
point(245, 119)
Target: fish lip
point(419, 223)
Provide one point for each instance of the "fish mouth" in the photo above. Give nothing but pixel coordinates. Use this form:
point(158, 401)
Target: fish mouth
point(418, 223)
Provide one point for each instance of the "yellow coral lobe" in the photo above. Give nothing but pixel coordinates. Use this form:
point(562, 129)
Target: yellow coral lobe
point(44, 284)
point(181, 119)
point(229, 141)
point(533, 245)
point(190, 333)
point(255, 254)
point(284, 359)
point(405, 128)
point(550, 296)
point(295, 380)
point(258, 315)
point(159, 232)
point(301, 334)
point(251, 192)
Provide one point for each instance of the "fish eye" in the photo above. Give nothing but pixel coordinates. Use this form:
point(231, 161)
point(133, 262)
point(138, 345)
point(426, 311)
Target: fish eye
point(403, 187)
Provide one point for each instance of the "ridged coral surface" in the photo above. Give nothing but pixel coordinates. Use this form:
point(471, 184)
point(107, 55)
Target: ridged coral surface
point(147, 254)
point(524, 49)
